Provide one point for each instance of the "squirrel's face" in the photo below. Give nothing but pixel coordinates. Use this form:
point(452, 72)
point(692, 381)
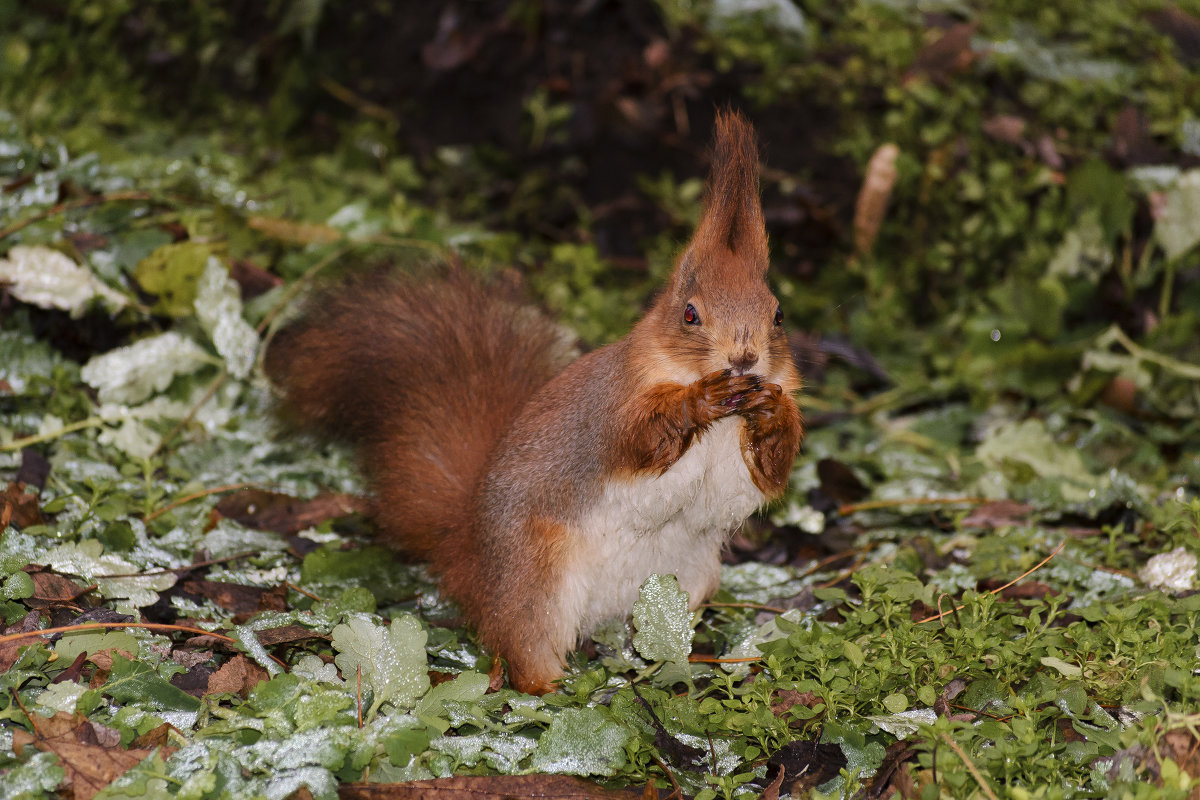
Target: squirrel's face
point(718, 317)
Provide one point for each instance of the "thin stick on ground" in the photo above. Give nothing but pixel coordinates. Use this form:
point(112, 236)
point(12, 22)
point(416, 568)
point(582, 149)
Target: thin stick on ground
point(114, 197)
point(1020, 577)
point(233, 487)
point(872, 505)
point(983, 785)
point(150, 626)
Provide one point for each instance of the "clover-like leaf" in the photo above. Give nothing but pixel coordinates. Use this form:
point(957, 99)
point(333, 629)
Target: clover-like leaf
point(392, 659)
point(663, 626)
point(582, 741)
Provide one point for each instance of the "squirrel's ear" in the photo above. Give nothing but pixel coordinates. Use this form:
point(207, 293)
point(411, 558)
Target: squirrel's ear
point(732, 222)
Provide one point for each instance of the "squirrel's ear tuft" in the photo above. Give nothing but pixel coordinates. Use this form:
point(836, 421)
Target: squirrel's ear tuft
point(732, 222)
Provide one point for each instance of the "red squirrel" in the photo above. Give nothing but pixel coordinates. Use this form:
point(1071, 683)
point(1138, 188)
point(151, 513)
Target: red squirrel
point(543, 493)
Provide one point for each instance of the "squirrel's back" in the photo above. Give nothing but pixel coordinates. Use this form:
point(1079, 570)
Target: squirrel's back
point(424, 377)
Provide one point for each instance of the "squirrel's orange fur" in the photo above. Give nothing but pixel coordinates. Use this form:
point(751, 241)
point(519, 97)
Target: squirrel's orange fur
point(543, 496)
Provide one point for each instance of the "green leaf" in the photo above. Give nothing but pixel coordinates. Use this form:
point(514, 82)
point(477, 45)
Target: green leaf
point(582, 741)
point(138, 683)
point(853, 653)
point(466, 688)
point(17, 586)
point(1064, 668)
point(172, 272)
point(392, 659)
point(663, 626)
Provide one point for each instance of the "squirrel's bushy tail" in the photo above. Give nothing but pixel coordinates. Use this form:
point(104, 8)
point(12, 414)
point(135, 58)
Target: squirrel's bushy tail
point(423, 377)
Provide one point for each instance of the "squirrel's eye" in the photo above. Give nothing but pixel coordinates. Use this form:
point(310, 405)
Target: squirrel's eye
point(690, 316)
point(779, 316)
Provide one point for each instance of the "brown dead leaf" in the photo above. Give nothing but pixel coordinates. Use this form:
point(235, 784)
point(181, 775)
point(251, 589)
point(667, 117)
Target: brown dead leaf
point(1006, 128)
point(949, 53)
point(72, 673)
point(238, 676)
point(89, 765)
point(11, 651)
point(487, 787)
point(784, 699)
point(18, 507)
point(283, 514)
point(244, 601)
point(156, 737)
point(871, 207)
point(287, 633)
point(1020, 591)
point(998, 514)
point(252, 279)
point(50, 587)
point(103, 658)
point(771, 791)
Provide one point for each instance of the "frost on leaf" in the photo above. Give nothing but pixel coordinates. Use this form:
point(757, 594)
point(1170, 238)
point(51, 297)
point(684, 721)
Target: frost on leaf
point(392, 659)
point(219, 309)
point(1178, 224)
point(582, 741)
point(46, 278)
point(1171, 572)
point(663, 627)
point(132, 373)
point(88, 559)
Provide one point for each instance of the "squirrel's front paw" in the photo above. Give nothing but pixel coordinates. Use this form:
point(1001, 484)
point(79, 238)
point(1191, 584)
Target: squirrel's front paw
point(762, 403)
point(722, 393)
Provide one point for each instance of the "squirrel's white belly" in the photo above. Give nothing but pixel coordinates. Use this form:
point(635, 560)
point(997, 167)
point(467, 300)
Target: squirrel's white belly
point(675, 523)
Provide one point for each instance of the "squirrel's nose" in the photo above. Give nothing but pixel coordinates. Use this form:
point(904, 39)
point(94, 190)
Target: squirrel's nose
point(744, 363)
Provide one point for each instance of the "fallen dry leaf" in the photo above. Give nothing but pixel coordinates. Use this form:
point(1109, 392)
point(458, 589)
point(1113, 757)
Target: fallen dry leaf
point(244, 601)
point(18, 507)
point(281, 513)
point(287, 633)
point(89, 765)
point(238, 676)
point(873, 197)
point(949, 53)
point(50, 587)
point(784, 699)
point(998, 514)
point(156, 737)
